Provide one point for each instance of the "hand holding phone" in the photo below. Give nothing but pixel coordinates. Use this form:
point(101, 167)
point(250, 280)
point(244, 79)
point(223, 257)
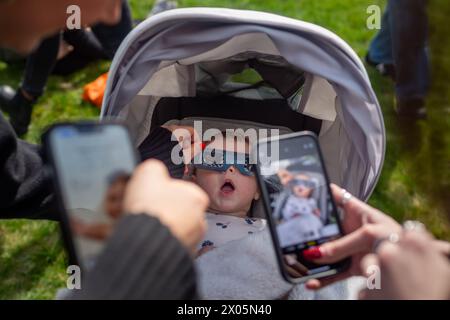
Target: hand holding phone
point(363, 225)
point(91, 165)
point(298, 203)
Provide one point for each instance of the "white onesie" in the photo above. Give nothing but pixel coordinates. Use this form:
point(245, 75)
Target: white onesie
point(225, 228)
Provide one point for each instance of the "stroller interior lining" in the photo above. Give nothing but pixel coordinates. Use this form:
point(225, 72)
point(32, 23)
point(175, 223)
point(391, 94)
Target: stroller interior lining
point(274, 112)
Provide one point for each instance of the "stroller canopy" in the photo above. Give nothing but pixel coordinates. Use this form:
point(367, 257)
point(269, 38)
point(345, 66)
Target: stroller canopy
point(178, 66)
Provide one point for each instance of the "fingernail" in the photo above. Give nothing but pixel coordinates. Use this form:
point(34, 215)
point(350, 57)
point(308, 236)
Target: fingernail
point(312, 253)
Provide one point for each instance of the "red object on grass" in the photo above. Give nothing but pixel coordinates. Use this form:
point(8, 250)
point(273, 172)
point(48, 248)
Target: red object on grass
point(93, 92)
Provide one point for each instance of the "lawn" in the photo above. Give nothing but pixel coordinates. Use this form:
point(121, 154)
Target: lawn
point(415, 182)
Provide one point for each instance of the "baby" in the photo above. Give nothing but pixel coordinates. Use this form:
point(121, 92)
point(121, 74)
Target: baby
point(301, 200)
point(235, 259)
point(225, 174)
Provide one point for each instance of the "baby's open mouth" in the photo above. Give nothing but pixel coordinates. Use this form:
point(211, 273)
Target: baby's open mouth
point(227, 187)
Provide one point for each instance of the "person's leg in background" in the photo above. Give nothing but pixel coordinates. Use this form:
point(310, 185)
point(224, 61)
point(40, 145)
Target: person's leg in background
point(380, 53)
point(19, 104)
point(162, 5)
point(409, 31)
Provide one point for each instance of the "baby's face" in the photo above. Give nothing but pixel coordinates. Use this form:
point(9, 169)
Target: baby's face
point(114, 198)
point(230, 191)
point(302, 191)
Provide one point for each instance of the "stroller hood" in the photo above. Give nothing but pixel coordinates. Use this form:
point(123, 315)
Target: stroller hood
point(182, 52)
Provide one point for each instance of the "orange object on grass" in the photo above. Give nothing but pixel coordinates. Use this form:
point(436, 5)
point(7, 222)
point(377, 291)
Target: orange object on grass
point(93, 92)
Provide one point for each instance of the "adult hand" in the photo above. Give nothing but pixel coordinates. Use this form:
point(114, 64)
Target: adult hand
point(411, 269)
point(178, 204)
point(363, 225)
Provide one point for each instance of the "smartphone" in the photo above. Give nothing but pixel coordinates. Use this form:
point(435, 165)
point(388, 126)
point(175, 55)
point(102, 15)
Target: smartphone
point(90, 164)
point(299, 206)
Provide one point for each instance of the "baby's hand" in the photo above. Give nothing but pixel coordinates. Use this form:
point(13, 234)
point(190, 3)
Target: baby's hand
point(190, 141)
point(204, 249)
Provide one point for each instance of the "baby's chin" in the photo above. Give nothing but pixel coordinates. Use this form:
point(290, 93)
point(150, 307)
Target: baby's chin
point(229, 210)
point(235, 214)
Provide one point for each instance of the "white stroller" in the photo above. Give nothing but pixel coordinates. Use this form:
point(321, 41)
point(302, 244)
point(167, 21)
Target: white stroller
point(178, 66)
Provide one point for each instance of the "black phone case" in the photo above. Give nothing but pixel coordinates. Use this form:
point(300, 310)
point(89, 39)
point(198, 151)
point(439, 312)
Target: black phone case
point(341, 265)
point(66, 232)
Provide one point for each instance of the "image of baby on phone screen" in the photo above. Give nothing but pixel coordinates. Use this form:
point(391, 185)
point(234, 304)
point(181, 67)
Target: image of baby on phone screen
point(232, 189)
point(110, 211)
point(298, 213)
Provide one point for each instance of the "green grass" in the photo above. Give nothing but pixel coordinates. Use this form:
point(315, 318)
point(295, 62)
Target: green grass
point(415, 182)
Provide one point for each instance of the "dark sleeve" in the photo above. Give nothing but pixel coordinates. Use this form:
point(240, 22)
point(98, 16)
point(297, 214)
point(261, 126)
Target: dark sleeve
point(142, 260)
point(158, 145)
point(25, 188)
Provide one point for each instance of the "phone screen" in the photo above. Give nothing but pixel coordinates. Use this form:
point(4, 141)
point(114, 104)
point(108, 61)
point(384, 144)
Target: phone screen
point(302, 212)
point(93, 164)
